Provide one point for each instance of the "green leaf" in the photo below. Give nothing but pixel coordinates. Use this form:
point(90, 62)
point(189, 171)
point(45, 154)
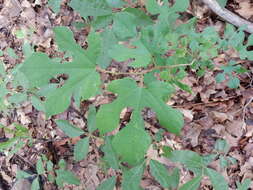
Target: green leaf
point(108, 184)
point(141, 18)
point(35, 184)
point(20, 34)
point(130, 95)
point(221, 145)
point(183, 86)
point(40, 167)
point(55, 5)
point(190, 159)
point(174, 178)
point(229, 31)
point(124, 25)
point(2, 69)
point(62, 164)
point(50, 165)
point(132, 178)
point(17, 98)
point(81, 149)
point(65, 176)
point(222, 3)
point(160, 173)
point(115, 3)
point(245, 185)
point(233, 82)
point(131, 143)
point(139, 53)
point(108, 41)
point(11, 53)
point(91, 119)
point(152, 6)
point(207, 159)
point(218, 181)
point(37, 103)
point(68, 129)
point(237, 39)
point(91, 7)
point(83, 80)
point(180, 6)
point(94, 49)
point(8, 144)
point(79, 25)
point(22, 174)
point(192, 184)
point(220, 77)
point(27, 49)
point(109, 154)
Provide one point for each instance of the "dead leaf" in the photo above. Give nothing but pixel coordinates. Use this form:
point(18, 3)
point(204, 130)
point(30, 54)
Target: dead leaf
point(219, 117)
point(246, 9)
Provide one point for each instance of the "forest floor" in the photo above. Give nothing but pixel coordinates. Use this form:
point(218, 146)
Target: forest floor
point(212, 112)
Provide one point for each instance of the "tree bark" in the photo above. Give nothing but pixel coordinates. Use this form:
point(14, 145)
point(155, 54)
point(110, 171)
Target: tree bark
point(228, 15)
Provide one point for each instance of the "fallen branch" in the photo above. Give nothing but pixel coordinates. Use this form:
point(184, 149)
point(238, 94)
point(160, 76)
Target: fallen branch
point(228, 15)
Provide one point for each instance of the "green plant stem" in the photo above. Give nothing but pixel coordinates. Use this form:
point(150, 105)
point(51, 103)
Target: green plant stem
point(145, 71)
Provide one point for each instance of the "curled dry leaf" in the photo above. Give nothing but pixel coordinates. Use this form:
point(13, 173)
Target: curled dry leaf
point(219, 117)
point(235, 128)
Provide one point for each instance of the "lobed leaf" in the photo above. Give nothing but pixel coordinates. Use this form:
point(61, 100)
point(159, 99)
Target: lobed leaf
point(83, 81)
point(131, 143)
point(124, 25)
point(130, 95)
point(91, 7)
point(138, 52)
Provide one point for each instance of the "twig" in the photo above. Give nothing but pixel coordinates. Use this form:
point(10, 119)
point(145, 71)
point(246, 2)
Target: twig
point(145, 70)
point(245, 107)
point(206, 104)
point(228, 15)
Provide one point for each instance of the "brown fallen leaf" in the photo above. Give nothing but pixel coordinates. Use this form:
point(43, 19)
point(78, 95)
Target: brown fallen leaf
point(246, 9)
point(219, 117)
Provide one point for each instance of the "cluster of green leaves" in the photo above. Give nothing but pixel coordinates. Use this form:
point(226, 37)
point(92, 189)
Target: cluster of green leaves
point(12, 96)
point(151, 41)
point(46, 168)
point(229, 70)
point(199, 165)
point(14, 144)
point(221, 149)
